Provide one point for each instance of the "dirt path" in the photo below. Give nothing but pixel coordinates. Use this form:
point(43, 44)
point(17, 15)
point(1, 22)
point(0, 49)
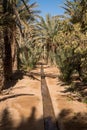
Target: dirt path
point(70, 114)
point(21, 108)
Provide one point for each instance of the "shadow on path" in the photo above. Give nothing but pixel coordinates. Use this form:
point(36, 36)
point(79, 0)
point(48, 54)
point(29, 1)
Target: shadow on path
point(18, 75)
point(30, 124)
point(14, 96)
point(75, 121)
point(77, 87)
point(66, 122)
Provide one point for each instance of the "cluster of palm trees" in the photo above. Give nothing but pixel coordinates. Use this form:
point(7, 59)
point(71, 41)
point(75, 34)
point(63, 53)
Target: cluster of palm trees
point(16, 16)
point(25, 36)
point(48, 30)
point(72, 50)
point(65, 39)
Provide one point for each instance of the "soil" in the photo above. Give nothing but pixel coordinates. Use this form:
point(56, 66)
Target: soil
point(21, 106)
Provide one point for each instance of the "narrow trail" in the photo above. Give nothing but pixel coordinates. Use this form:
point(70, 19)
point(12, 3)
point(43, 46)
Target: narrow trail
point(39, 101)
point(48, 111)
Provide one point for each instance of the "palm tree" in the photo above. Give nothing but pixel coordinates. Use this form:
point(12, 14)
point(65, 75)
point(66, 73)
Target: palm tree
point(30, 48)
point(29, 32)
point(7, 31)
point(77, 10)
point(48, 30)
point(15, 15)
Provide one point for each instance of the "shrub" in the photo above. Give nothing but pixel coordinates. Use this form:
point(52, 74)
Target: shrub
point(72, 56)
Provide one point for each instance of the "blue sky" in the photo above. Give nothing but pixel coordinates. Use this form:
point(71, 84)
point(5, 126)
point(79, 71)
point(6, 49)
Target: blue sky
point(50, 6)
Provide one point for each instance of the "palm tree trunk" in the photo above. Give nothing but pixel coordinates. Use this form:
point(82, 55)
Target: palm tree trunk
point(7, 55)
point(14, 48)
point(9, 34)
point(7, 60)
point(1, 60)
point(1, 48)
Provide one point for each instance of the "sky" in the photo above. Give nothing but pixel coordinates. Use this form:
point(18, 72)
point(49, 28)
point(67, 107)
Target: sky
point(50, 6)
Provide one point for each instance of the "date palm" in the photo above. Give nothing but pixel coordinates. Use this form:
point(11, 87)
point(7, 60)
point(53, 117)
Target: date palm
point(48, 29)
point(15, 14)
point(77, 11)
point(26, 14)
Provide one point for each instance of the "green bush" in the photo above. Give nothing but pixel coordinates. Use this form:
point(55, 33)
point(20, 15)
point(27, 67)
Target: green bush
point(72, 55)
point(29, 57)
point(64, 62)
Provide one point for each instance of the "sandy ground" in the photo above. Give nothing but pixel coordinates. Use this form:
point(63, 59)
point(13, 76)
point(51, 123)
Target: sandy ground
point(70, 114)
point(22, 107)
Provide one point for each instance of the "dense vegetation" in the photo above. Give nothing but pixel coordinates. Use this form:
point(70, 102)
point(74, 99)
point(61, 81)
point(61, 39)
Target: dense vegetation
point(26, 37)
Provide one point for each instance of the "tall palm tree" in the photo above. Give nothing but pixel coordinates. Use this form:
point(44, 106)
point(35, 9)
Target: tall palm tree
point(15, 14)
point(7, 31)
point(48, 29)
point(26, 15)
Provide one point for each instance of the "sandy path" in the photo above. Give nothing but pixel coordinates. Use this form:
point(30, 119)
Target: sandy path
point(23, 109)
point(71, 115)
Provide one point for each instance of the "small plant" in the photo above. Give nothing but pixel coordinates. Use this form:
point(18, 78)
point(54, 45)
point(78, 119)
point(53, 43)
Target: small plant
point(29, 57)
point(64, 62)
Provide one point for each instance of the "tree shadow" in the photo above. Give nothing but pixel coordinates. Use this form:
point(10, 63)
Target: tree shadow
point(13, 79)
point(77, 121)
point(32, 75)
point(14, 96)
point(31, 123)
point(5, 121)
point(77, 87)
point(65, 120)
point(18, 75)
